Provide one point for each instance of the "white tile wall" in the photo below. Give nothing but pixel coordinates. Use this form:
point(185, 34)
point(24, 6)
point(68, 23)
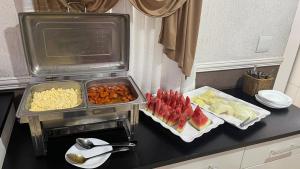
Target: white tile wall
point(292, 90)
point(293, 87)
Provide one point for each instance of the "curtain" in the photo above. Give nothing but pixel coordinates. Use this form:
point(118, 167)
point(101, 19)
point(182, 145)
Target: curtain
point(100, 6)
point(179, 30)
point(149, 66)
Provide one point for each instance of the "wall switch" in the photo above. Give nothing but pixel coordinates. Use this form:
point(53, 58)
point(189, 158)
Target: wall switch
point(264, 44)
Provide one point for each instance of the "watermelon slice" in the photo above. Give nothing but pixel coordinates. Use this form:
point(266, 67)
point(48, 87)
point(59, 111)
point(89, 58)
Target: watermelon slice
point(168, 100)
point(172, 94)
point(162, 111)
point(187, 101)
point(157, 106)
point(182, 100)
point(173, 103)
point(181, 123)
point(148, 96)
point(166, 116)
point(199, 120)
point(188, 111)
point(174, 117)
point(165, 96)
point(159, 93)
point(151, 105)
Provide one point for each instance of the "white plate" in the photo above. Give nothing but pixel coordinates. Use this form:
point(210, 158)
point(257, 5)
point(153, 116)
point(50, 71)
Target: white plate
point(275, 97)
point(268, 104)
point(189, 133)
point(93, 162)
point(262, 113)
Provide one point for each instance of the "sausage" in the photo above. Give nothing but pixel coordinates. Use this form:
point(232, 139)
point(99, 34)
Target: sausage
point(108, 94)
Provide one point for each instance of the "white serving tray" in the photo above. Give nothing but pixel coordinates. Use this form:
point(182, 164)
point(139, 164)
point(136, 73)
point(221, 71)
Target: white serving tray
point(189, 133)
point(262, 113)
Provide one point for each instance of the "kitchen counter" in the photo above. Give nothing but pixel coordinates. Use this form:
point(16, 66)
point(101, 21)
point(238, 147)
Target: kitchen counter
point(5, 103)
point(156, 146)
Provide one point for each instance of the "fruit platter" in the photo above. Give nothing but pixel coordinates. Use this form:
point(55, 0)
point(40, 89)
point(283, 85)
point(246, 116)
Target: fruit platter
point(233, 110)
point(176, 113)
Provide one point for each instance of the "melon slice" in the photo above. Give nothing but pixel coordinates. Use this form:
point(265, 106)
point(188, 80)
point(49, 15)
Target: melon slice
point(188, 111)
point(157, 106)
point(152, 104)
point(159, 93)
point(199, 120)
point(181, 123)
point(174, 117)
point(162, 111)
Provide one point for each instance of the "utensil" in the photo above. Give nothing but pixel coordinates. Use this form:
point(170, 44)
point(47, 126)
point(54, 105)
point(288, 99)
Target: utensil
point(87, 144)
point(80, 159)
point(248, 121)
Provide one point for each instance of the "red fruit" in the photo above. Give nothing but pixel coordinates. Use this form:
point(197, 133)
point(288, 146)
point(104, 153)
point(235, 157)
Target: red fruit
point(181, 100)
point(188, 111)
point(178, 110)
point(166, 116)
point(181, 123)
point(168, 100)
point(187, 101)
point(157, 105)
point(176, 96)
point(159, 93)
point(199, 119)
point(151, 104)
point(165, 96)
point(173, 118)
point(162, 111)
point(173, 104)
point(171, 94)
point(148, 96)
point(197, 111)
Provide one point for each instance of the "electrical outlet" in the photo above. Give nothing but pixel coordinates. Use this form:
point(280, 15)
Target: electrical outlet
point(264, 44)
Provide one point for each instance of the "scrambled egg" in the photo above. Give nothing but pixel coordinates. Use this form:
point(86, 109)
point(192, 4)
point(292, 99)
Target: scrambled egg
point(54, 99)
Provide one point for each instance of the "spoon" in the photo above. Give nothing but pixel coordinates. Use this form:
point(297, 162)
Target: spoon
point(80, 159)
point(87, 144)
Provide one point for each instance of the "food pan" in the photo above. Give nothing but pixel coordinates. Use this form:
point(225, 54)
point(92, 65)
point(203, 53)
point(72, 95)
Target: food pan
point(128, 81)
point(24, 107)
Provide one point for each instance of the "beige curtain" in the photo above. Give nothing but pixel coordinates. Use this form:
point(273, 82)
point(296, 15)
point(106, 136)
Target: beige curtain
point(180, 25)
point(100, 6)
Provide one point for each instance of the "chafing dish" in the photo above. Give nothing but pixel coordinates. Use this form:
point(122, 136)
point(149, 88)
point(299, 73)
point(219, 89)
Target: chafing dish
point(76, 51)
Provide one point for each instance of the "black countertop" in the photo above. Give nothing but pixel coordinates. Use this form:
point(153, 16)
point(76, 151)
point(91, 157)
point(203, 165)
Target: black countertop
point(5, 103)
point(156, 145)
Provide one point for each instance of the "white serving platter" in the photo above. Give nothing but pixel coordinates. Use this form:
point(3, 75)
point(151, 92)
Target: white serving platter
point(189, 133)
point(261, 113)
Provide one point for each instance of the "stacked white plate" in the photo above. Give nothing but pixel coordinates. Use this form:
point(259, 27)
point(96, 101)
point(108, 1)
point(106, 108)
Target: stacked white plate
point(273, 99)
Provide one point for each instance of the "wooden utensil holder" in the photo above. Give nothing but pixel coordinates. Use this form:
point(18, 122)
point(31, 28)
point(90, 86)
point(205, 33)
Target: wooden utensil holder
point(252, 85)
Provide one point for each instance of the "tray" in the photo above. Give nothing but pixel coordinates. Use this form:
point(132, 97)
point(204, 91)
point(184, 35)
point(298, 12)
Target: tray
point(189, 133)
point(260, 113)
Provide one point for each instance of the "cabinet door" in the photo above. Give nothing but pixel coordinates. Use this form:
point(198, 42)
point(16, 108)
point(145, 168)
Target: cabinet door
point(227, 160)
point(292, 162)
point(271, 151)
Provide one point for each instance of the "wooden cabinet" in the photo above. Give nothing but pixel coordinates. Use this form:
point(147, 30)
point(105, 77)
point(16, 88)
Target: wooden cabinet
point(226, 160)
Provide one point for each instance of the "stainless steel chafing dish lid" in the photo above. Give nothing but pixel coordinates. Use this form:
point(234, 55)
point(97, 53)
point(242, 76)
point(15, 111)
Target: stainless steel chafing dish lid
point(64, 44)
